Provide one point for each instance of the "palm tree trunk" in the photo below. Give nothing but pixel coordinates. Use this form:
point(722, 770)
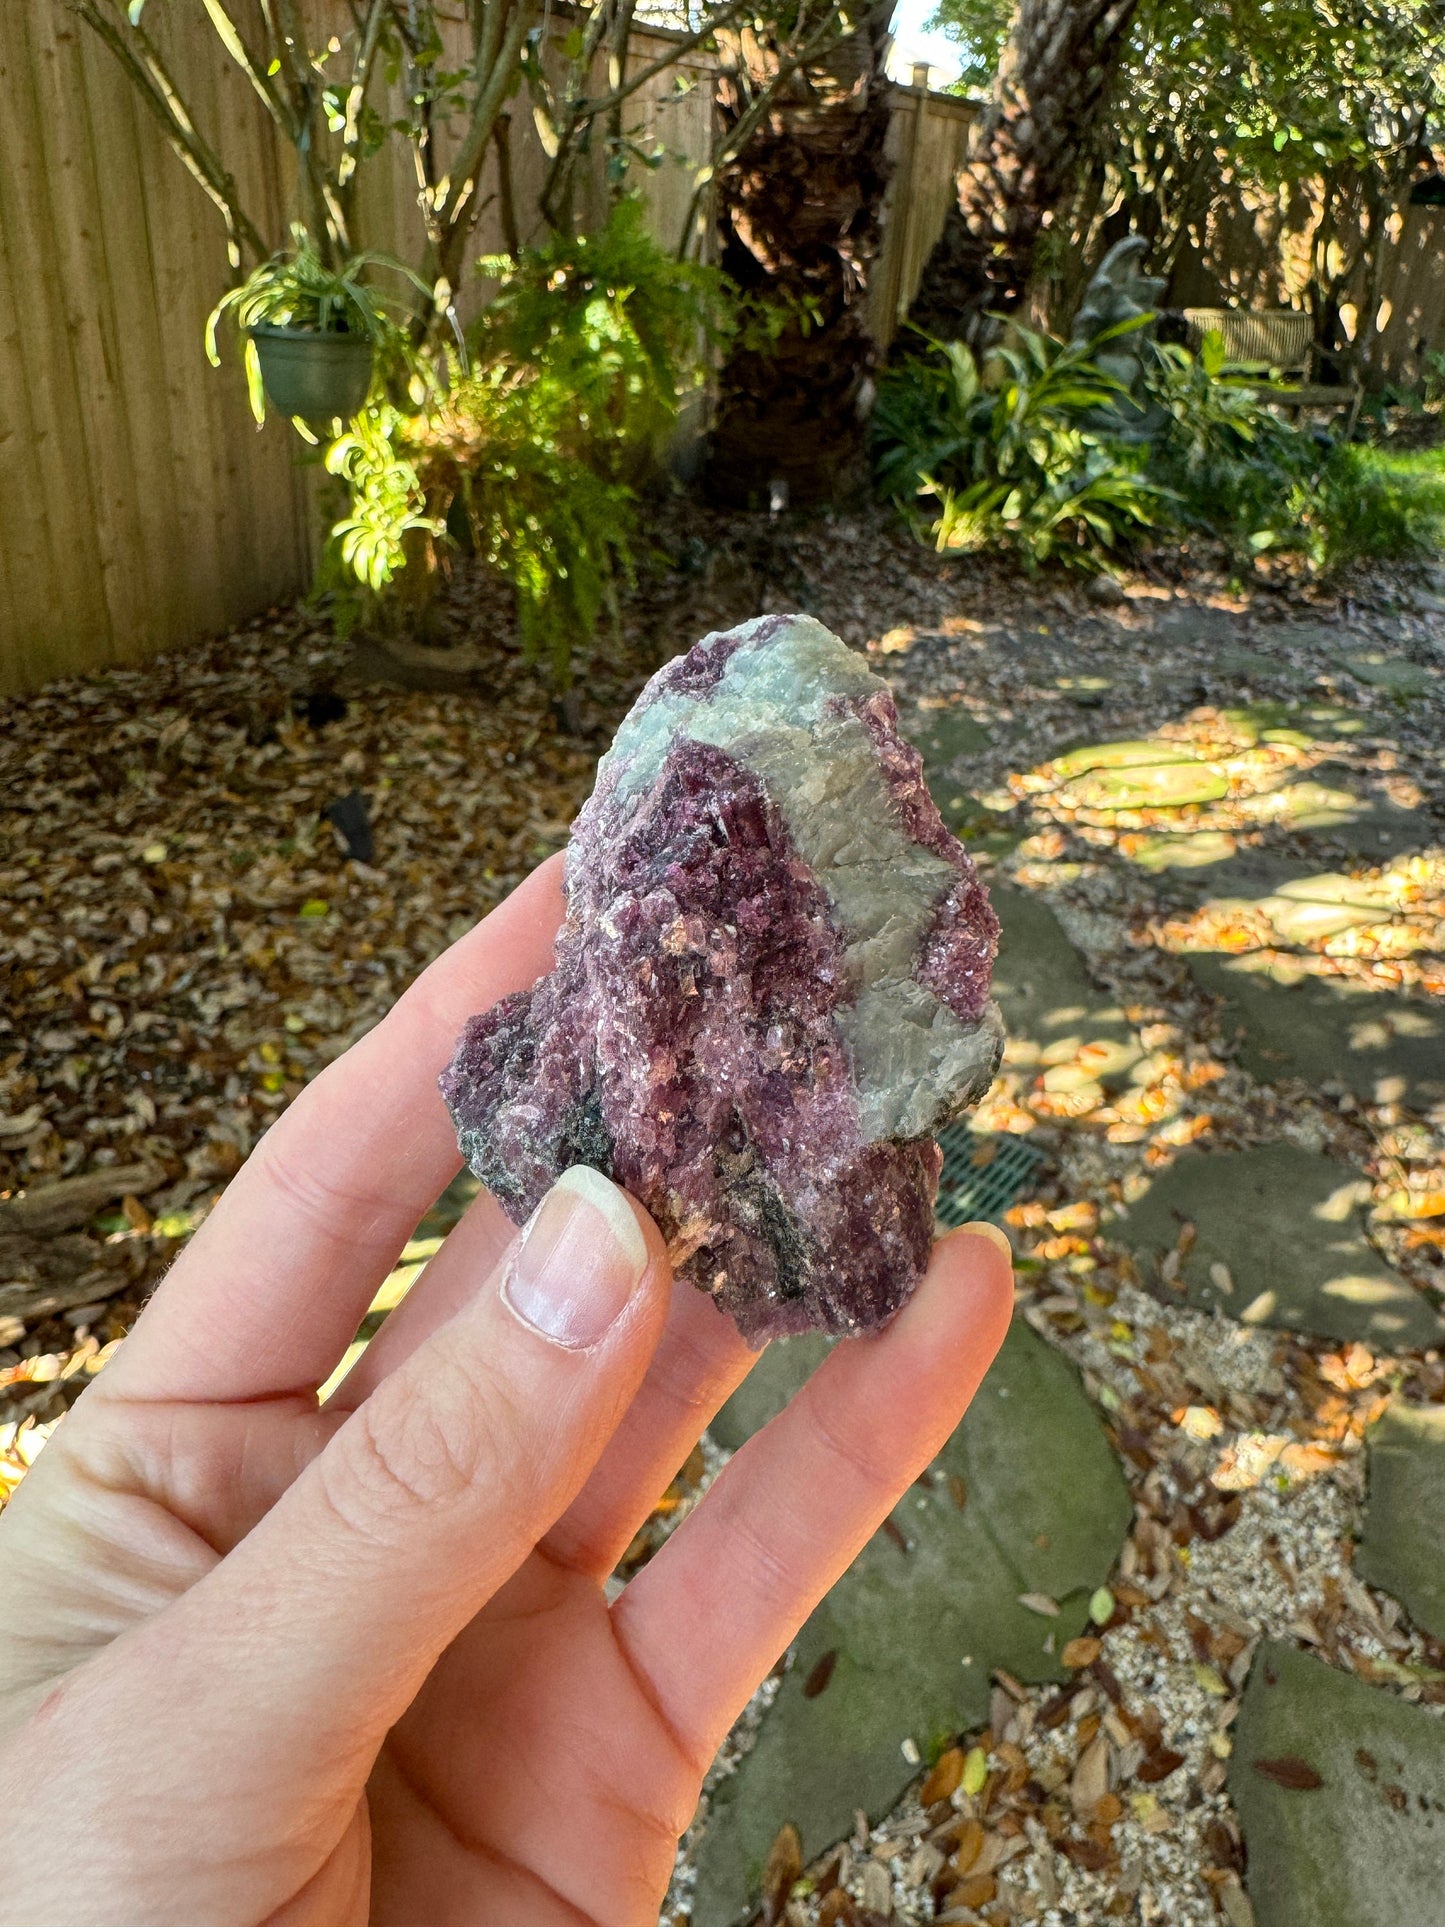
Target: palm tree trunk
point(798, 219)
point(1051, 83)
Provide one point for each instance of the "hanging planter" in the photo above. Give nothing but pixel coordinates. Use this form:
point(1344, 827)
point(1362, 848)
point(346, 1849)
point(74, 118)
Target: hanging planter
point(316, 376)
point(312, 333)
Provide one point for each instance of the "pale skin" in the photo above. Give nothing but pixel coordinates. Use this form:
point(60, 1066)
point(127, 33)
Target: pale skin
point(263, 1660)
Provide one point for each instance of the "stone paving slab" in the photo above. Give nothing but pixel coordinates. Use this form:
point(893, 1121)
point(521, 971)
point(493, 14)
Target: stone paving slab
point(1329, 1029)
point(1336, 802)
point(779, 1372)
point(942, 736)
point(1403, 1546)
point(1050, 1006)
point(1025, 1498)
point(1340, 1789)
point(1279, 1241)
point(1395, 674)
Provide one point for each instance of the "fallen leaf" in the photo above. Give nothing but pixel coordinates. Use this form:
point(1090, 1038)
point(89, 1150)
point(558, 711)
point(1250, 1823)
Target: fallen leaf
point(839, 1909)
point(970, 1846)
point(944, 1777)
point(1040, 1602)
point(1290, 1771)
point(975, 1771)
point(975, 1891)
point(1082, 1651)
point(820, 1673)
point(1090, 1780)
point(784, 1866)
point(1158, 1765)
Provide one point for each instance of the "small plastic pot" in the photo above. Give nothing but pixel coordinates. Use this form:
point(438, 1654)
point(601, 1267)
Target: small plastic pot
point(315, 376)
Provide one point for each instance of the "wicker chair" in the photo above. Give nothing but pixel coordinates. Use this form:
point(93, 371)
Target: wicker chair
point(1276, 344)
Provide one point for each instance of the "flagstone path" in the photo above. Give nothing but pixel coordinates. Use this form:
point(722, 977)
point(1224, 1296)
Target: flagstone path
point(1221, 974)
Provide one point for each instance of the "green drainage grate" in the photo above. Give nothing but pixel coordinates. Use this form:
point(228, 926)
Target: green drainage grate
point(982, 1173)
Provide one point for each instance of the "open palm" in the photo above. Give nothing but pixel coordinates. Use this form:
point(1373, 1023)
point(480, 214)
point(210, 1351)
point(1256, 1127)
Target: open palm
point(277, 1662)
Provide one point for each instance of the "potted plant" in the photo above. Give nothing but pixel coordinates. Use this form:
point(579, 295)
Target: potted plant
point(311, 333)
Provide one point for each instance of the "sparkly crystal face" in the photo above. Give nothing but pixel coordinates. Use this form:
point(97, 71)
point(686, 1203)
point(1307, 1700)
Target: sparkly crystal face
point(771, 987)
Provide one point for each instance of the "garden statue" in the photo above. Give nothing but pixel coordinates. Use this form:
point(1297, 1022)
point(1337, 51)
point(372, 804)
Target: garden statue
point(1120, 292)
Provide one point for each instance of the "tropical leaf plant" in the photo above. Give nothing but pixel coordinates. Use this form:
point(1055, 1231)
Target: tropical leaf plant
point(1014, 449)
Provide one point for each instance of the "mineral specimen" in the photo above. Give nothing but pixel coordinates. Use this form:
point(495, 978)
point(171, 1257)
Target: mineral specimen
point(771, 987)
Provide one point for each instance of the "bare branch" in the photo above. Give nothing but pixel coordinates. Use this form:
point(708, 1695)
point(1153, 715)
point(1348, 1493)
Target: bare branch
point(506, 195)
point(589, 109)
point(485, 110)
point(329, 224)
point(142, 61)
point(250, 63)
point(489, 37)
point(370, 36)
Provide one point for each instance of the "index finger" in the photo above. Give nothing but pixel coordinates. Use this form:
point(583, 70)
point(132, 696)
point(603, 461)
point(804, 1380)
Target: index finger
point(289, 1260)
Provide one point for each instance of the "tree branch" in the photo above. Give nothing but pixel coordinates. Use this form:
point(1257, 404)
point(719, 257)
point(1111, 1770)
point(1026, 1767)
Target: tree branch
point(467, 164)
point(370, 36)
point(250, 63)
point(331, 230)
point(506, 195)
point(141, 60)
point(590, 109)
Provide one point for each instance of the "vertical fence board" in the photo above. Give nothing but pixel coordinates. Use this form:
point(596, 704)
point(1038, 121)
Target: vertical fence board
point(927, 135)
point(27, 562)
point(121, 300)
point(140, 507)
point(53, 482)
point(116, 482)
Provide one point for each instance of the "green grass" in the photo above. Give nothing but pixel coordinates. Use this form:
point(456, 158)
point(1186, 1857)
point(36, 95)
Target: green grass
point(1370, 503)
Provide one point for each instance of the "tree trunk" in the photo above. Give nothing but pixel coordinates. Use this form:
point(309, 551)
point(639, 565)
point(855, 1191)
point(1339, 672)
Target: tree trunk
point(798, 220)
point(1051, 84)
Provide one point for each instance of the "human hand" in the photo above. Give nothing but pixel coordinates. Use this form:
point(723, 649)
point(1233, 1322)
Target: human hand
point(265, 1661)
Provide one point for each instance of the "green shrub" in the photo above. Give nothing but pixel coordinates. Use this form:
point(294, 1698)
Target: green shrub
point(614, 320)
point(1234, 468)
point(1020, 454)
point(1241, 472)
point(1011, 453)
point(531, 448)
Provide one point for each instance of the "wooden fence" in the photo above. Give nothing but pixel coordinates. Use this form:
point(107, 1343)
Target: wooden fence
point(927, 134)
point(1258, 252)
point(140, 506)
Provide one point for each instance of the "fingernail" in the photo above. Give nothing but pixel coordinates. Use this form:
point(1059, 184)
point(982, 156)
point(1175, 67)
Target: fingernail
point(581, 1258)
point(982, 1229)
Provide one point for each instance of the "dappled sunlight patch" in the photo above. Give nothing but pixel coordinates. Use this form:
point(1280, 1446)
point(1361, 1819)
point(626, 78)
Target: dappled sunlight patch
point(389, 1294)
point(1125, 1093)
point(1382, 928)
point(1196, 791)
point(1194, 851)
point(1254, 1457)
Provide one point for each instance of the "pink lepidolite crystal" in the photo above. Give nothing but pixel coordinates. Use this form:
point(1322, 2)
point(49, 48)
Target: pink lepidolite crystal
point(771, 987)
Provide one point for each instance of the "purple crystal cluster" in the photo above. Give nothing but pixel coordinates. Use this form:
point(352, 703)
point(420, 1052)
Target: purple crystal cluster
point(770, 989)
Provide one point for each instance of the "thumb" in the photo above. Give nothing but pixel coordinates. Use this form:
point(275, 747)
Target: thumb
point(335, 1608)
